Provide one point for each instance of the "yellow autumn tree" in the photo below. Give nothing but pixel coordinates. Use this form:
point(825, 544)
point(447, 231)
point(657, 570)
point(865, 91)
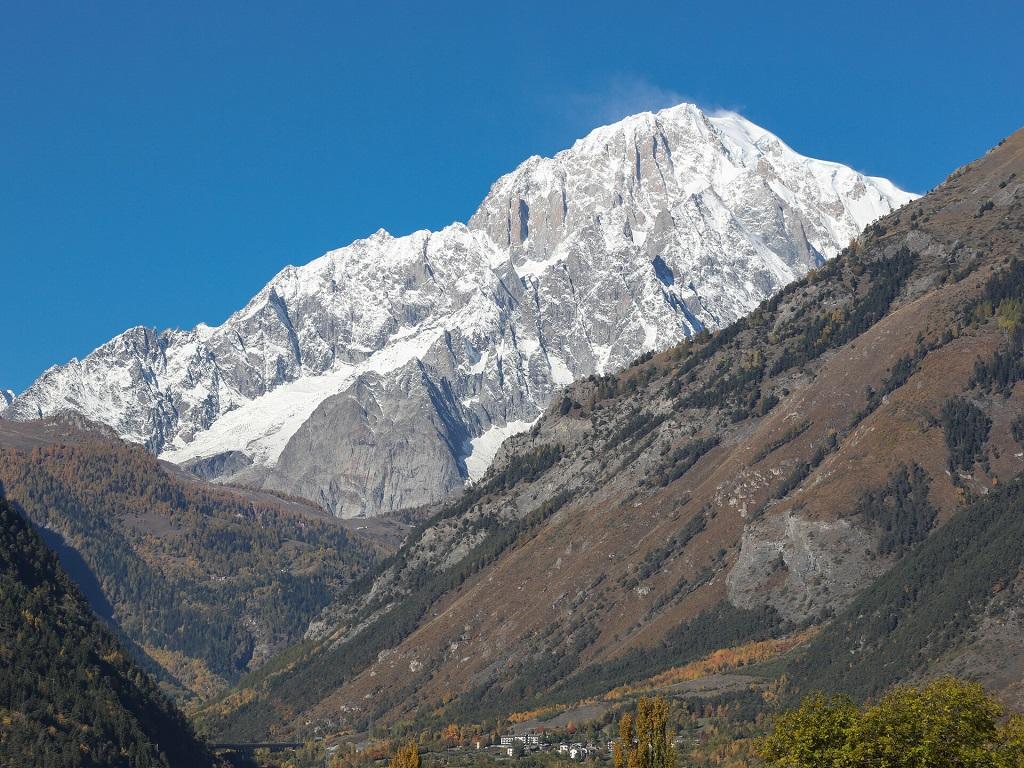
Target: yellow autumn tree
point(452, 734)
point(407, 756)
point(644, 740)
point(1009, 314)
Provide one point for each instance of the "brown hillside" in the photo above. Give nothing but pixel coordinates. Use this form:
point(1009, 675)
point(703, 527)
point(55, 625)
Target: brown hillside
point(731, 489)
point(206, 582)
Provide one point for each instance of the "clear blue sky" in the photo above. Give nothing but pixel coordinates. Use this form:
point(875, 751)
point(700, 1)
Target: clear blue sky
point(160, 161)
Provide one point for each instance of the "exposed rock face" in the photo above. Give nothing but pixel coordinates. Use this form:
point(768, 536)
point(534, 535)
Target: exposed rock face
point(724, 491)
point(384, 373)
point(815, 564)
point(218, 465)
point(381, 462)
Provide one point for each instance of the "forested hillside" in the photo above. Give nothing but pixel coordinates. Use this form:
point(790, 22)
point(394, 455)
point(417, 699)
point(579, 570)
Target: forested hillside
point(205, 581)
point(69, 693)
point(744, 485)
point(962, 588)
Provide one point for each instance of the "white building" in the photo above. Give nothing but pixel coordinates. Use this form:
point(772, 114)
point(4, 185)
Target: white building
point(526, 739)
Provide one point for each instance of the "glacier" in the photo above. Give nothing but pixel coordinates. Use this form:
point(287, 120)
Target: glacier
point(384, 375)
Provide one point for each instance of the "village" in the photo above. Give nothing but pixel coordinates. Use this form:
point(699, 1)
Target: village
point(519, 745)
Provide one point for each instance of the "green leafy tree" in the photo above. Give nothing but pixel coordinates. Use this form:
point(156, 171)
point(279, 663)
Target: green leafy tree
point(815, 735)
point(946, 724)
point(1011, 741)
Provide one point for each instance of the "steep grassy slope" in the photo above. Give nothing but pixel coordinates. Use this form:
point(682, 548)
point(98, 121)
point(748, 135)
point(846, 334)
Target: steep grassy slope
point(69, 694)
point(736, 487)
point(205, 581)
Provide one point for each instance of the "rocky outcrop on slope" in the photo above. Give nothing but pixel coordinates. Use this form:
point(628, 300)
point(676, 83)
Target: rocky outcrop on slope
point(737, 487)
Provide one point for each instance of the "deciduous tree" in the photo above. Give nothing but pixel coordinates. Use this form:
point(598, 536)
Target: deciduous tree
point(644, 740)
point(946, 724)
point(407, 756)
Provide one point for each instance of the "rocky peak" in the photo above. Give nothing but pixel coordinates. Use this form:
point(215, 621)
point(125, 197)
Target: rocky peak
point(640, 234)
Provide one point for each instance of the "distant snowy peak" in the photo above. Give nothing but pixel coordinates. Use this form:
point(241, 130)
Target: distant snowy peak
point(385, 373)
point(6, 397)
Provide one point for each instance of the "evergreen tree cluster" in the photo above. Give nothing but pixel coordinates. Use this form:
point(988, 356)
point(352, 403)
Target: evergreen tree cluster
point(1003, 299)
point(721, 626)
point(826, 330)
point(900, 509)
point(176, 565)
point(926, 605)
point(966, 428)
point(683, 458)
point(69, 694)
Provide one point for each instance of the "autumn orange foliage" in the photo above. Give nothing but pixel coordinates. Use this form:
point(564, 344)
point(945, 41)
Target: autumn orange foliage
point(719, 661)
point(532, 714)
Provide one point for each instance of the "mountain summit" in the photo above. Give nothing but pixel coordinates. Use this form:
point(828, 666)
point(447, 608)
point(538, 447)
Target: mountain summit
point(844, 460)
point(385, 374)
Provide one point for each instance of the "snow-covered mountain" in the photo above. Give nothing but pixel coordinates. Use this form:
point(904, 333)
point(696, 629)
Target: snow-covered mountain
point(6, 397)
point(385, 374)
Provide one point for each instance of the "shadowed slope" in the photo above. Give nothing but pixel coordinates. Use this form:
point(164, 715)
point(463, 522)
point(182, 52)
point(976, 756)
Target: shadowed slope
point(69, 694)
point(734, 487)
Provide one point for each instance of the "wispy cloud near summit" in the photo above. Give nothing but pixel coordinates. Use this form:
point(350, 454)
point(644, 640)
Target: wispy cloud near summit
point(624, 95)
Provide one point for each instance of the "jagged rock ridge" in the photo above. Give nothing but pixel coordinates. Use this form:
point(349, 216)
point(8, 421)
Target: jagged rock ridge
point(741, 486)
point(385, 374)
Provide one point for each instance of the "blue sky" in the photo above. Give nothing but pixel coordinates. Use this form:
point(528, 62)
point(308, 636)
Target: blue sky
point(159, 162)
